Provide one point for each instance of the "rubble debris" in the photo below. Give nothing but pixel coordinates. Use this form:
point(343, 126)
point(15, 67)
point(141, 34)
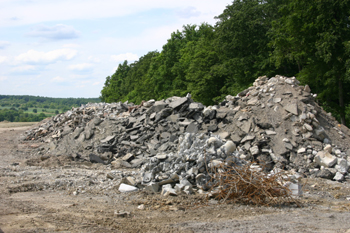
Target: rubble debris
point(176, 142)
point(126, 188)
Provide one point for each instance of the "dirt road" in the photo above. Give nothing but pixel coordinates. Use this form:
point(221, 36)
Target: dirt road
point(55, 194)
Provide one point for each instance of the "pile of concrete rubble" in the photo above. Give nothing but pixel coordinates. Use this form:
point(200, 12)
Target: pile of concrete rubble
point(276, 122)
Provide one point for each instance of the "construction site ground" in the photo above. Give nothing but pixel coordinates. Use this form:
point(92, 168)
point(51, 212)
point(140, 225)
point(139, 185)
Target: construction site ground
point(29, 204)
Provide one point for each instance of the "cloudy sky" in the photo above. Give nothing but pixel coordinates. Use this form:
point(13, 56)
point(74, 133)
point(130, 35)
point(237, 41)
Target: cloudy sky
point(67, 48)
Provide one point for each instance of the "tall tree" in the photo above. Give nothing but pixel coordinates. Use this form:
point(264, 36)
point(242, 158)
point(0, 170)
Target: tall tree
point(114, 87)
point(242, 42)
point(315, 34)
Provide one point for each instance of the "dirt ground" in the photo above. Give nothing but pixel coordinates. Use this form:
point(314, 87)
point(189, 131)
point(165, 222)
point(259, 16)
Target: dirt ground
point(39, 193)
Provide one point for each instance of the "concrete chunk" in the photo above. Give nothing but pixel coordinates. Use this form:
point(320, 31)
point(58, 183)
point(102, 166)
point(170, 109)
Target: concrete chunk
point(127, 188)
point(325, 159)
point(253, 101)
point(196, 106)
point(292, 108)
point(177, 103)
point(270, 132)
point(296, 189)
point(248, 138)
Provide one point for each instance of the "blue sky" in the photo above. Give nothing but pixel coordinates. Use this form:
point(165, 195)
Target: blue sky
point(67, 48)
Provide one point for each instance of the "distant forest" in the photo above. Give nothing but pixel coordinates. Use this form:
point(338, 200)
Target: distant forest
point(25, 108)
point(252, 38)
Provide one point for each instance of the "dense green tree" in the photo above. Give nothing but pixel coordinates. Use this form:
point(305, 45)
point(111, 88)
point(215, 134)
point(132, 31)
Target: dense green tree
point(19, 115)
point(315, 34)
point(137, 79)
point(114, 87)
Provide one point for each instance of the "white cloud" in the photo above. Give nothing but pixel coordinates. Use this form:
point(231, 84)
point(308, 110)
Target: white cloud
point(126, 56)
point(96, 83)
point(57, 32)
point(3, 78)
point(2, 59)
point(24, 69)
point(188, 12)
point(36, 57)
point(4, 44)
point(33, 12)
point(58, 79)
point(71, 46)
point(83, 67)
point(94, 59)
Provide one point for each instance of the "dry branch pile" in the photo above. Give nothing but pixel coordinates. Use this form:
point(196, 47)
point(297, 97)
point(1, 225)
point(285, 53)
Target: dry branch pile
point(247, 184)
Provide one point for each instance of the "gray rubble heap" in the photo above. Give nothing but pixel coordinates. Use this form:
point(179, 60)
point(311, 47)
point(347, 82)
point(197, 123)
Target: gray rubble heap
point(275, 122)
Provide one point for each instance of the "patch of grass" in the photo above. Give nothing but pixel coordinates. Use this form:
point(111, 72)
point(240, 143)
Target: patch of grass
point(7, 124)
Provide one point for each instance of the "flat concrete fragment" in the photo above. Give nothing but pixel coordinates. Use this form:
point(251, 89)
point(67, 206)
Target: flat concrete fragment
point(224, 135)
point(235, 138)
point(288, 145)
point(173, 118)
point(157, 107)
point(292, 108)
point(128, 157)
point(192, 128)
point(107, 139)
point(127, 188)
point(152, 187)
point(270, 132)
point(196, 106)
point(245, 127)
point(161, 156)
point(248, 138)
point(253, 101)
point(120, 163)
point(301, 150)
point(178, 102)
point(277, 100)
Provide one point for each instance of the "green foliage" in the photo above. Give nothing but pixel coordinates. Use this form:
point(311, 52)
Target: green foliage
point(308, 39)
point(27, 104)
point(14, 115)
point(315, 35)
point(25, 101)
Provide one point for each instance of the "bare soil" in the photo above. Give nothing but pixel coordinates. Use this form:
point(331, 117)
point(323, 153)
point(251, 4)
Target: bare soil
point(56, 194)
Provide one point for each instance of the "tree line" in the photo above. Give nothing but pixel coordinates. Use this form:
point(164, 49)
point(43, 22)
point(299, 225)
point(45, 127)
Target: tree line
point(15, 115)
point(24, 102)
point(251, 38)
point(24, 108)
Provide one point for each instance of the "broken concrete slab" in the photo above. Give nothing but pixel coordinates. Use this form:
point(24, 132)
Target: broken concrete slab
point(325, 159)
point(127, 188)
point(292, 108)
point(178, 102)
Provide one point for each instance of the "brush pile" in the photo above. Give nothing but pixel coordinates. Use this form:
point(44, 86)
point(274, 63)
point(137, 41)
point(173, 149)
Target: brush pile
point(248, 184)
